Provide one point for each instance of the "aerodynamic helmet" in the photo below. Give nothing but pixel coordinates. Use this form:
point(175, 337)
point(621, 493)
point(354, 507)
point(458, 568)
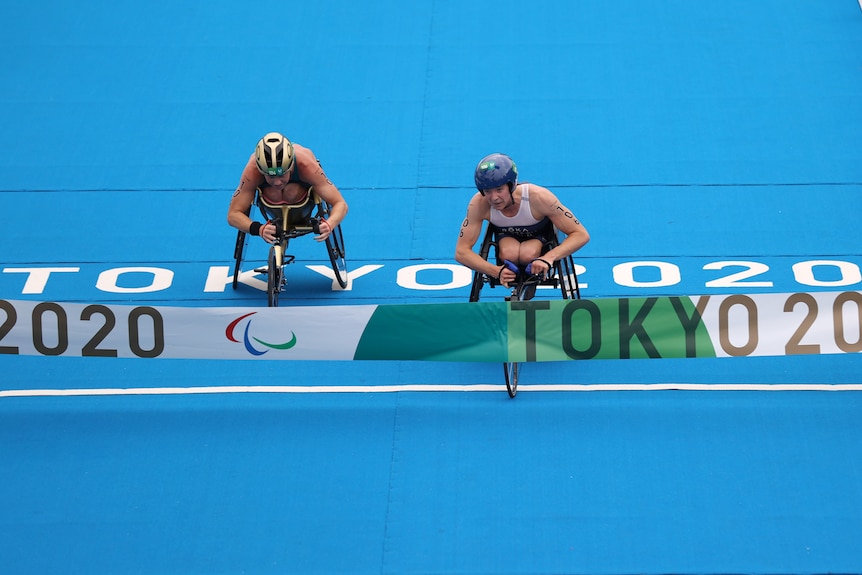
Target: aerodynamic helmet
point(274, 154)
point(495, 170)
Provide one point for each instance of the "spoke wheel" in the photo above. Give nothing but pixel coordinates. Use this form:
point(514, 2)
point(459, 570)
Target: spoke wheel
point(510, 370)
point(476, 288)
point(568, 278)
point(238, 254)
point(273, 277)
point(335, 247)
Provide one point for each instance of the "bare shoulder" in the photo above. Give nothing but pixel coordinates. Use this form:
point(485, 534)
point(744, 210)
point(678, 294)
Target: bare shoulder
point(478, 207)
point(477, 211)
point(309, 167)
point(251, 176)
point(305, 158)
point(543, 198)
point(250, 165)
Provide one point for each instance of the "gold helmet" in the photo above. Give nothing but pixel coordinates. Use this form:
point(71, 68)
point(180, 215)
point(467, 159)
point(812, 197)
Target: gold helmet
point(274, 155)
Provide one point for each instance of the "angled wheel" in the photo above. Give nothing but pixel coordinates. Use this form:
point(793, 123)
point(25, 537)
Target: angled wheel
point(273, 276)
point(335, 247)
point(238, 253)
point(479, 279)
point(476, 289)
point(511, 372)
point(568, 278)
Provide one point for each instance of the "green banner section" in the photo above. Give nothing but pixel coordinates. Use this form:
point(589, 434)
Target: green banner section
point(538, 330)
point(629, 328)
point(436, 332)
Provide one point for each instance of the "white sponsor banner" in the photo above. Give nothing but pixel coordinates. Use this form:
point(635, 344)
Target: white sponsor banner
point(72, 329)
point(739, 325)
point(783, 324)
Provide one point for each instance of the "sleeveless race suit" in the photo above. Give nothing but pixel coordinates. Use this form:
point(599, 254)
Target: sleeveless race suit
point(522, 226)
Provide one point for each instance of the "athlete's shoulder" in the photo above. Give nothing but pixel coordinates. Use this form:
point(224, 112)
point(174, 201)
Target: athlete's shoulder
point(303, 155)
point(540, 194)
point(477, 200)
point(251, 176)
point(536, 188)
point(308, 167)
point(479, 207)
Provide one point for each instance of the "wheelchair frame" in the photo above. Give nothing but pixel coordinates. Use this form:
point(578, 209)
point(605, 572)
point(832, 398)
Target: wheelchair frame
point(278, 257)
point(563, 276)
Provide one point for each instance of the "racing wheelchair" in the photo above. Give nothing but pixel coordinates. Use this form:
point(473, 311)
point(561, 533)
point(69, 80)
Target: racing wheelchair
point(292, 221)
point(563, 276)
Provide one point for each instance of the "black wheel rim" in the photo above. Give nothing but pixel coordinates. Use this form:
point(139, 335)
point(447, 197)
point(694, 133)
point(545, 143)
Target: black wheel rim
point(510, 371)
point(335, 247)
point(273, 279)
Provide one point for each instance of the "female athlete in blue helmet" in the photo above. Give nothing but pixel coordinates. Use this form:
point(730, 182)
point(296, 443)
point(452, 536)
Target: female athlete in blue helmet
point(518, 213)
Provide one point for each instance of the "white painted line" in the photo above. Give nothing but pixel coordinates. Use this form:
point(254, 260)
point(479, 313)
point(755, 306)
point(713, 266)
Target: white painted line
point(429, 387)
point(699, 386)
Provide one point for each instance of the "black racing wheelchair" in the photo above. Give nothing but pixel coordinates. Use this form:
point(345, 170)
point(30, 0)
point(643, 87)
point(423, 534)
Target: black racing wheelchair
point(563, 276)
point(292, 221)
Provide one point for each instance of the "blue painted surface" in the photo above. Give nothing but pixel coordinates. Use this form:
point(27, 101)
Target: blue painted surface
point(678, 132)
point(417, 483)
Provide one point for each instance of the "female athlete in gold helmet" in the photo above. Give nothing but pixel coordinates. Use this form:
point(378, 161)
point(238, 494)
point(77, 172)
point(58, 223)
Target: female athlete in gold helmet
point(284, 172)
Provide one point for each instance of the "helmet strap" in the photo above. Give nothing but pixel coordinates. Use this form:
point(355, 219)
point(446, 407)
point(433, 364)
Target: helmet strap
point(512, 193)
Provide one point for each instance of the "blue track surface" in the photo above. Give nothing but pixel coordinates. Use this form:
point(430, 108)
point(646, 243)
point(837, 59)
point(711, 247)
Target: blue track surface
point(686, 136)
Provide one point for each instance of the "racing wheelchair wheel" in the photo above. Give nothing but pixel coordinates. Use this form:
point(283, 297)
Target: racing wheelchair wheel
point(476, 288)
point(238, 253)
point(510, 370)
point(274, 275)
point(568, 278)
point(521, 292)
point(335, 247)
point(479, 279)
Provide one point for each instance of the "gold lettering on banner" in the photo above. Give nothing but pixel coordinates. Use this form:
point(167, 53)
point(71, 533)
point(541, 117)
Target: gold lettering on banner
point(838, 323)
point(723, 321)
point(795, 345)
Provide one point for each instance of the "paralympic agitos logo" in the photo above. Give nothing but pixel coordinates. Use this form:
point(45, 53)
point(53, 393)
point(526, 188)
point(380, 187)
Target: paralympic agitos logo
point(230, 333)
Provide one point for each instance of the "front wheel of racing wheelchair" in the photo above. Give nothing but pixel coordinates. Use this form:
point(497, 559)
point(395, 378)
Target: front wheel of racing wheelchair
point(292, 221)
point(563, 276)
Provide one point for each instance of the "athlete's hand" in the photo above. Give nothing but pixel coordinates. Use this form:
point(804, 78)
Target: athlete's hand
point(507, 273)
point(267, 232)
point(323, 230)
point(539, 267)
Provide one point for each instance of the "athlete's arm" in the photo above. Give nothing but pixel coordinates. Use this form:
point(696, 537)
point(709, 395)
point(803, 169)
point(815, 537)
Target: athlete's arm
point(544, 203)
point(240, 203)
point(313, 174)
point(477, 211)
